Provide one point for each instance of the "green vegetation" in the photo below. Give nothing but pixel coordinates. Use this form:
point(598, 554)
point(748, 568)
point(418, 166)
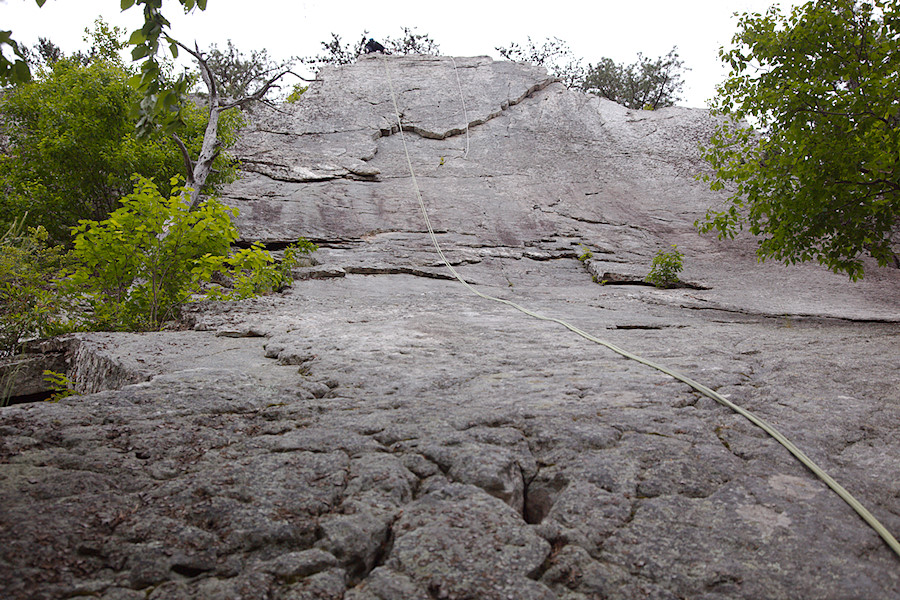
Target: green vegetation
point(60, 385)
point(72, 145)
point(131, 271)
point(296, 92)
point(586, 254)
point(237, 74)
point(162, 98)
point(665, 268)
point(31, 304)
point(554, 55)
point(339, 52)
point(810, 145)
point(646, 84)
point(138, 267)
point(89, 149)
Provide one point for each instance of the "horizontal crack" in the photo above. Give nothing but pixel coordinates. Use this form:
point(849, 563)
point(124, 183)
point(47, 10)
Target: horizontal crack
point(399, 271)
point(452, 132)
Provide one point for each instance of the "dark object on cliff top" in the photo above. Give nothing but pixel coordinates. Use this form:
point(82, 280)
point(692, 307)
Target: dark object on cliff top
point(373, 46)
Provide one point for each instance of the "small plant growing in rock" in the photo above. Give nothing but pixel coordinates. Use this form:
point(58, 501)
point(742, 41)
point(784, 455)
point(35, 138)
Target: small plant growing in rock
point(665, 268)
point(586, 254)
point(60, 385)
point(296, 92)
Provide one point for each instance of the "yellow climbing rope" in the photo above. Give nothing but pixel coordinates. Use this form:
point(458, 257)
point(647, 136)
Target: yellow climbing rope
point(706, 391)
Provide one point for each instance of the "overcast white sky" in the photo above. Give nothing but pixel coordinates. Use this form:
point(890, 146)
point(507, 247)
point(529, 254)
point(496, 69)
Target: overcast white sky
point(593, 29)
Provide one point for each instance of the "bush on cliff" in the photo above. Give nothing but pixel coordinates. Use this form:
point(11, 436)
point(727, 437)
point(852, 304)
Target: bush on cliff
point(138, 267)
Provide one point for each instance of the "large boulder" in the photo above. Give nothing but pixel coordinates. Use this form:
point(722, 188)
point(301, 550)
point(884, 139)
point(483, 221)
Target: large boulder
point(379, 432)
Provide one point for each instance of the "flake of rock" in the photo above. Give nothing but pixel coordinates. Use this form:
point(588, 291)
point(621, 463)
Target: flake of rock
point(495, 470)
point(293, 566)
point(303, 273)
point(241, 333)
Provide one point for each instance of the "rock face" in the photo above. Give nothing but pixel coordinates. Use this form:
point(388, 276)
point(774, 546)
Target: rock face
point(378, 432)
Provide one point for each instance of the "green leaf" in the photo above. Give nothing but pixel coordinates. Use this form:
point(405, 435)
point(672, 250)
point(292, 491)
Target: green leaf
point(126, 4)
point(137, 37)
point(139, 52)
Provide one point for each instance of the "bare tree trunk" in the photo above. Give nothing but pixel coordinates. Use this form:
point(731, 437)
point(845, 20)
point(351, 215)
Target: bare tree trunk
point(198, 171)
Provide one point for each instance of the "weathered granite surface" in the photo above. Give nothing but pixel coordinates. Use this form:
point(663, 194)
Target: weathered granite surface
point(380, 433)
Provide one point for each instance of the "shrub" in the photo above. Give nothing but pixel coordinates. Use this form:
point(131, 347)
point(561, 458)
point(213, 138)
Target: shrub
point(251, 271)
point(60, 384)
point(29, 303)
point(665, 268)
point(152, 255)
point(586, 254)
point(296, 92)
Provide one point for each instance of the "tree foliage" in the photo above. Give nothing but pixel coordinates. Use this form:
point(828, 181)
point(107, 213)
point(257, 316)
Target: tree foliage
point(15, 70)
point(68, 139)
point(238, 74)
point(18, 70)
point(412, 43)
point(45, 54)
point(72, 146)
point(644, 84)
point(218, 111)
point(162, 98)
point(30, 306)
point(133, 276)
point(554, 55)
point(816, 174)
point(339, 52)
point(154, 253)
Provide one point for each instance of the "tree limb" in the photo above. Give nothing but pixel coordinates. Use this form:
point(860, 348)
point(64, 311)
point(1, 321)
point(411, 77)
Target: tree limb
point(258, 94)
point(186, 155)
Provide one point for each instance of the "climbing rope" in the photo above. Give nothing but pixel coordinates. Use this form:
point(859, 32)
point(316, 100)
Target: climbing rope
point(462, 99)
point(706, 391)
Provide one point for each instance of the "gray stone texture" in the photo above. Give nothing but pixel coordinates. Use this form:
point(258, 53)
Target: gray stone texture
point(378, 432)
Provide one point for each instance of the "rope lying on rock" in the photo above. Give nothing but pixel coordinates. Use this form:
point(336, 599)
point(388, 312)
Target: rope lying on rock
point(706, 391)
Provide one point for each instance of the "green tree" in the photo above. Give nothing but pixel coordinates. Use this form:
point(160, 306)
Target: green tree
point(45, 54)
point(136, 266)
point(339, 52)
point(15, 70)
point(154, 253)
point(554, 54)
point(18, 71)
point(296, 92)
point(238, 74)
point(809, 145)
point(218, 110)
point(644, 84)
point(72, 146)
point(412, 43)
point(665, 268)
point(162, 103)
